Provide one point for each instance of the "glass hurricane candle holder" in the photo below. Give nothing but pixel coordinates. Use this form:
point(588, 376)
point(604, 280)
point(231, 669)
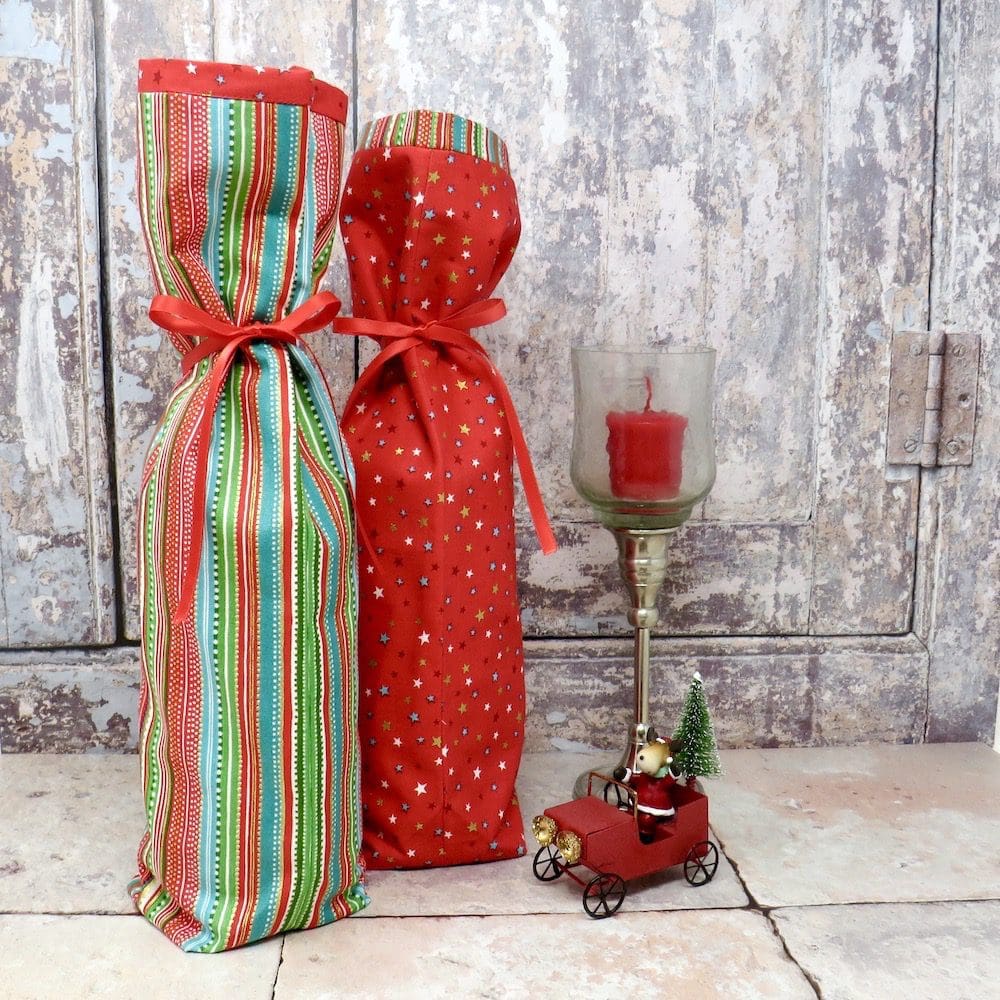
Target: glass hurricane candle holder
point(643, 457)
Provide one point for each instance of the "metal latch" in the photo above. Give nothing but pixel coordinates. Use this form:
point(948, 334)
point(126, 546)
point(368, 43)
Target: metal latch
point(932, 398)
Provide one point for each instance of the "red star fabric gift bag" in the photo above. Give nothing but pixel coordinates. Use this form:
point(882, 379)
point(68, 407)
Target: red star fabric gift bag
point(430, 220)
point(247, 554)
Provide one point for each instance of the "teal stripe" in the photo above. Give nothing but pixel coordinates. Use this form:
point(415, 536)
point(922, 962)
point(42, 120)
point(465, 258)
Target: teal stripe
point(288, 129)
point(458, 135)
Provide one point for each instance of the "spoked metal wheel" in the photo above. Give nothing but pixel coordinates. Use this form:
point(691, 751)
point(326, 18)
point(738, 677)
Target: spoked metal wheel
point(701, 863)
point(603, 895)
point(547, 866)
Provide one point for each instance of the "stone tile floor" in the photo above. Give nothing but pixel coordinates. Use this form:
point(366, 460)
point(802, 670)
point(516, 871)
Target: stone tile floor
point(863, 872)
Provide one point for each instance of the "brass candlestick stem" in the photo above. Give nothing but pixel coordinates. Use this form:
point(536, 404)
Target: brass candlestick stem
point(642, 563)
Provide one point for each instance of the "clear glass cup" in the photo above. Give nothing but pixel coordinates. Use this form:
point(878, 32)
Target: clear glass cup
point(643, 434)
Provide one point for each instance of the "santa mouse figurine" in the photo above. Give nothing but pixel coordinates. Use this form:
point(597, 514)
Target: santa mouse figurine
point(652, 782)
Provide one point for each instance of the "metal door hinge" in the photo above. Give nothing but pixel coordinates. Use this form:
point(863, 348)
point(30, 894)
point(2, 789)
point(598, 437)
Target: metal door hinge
point(932, 398)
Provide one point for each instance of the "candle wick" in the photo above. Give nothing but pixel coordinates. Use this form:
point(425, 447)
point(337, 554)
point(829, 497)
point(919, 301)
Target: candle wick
point(649, 393)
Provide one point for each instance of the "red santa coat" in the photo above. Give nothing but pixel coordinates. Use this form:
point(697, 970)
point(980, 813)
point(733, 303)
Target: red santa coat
point(655, 801)
point(430, 220)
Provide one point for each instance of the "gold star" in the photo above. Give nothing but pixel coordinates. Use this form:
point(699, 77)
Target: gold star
point(461, 384)
point(433, 177)
point(366, 456)
point(436, 741)
point(466, 241)
point(399, 451)
point(485, 188)
point(468, 548)
point(453, 278)
point(386, 726)
point(376, 193)
point(447, 680)
point(464, 512)
point(439, 239)
point(416, 223)
point(463, 708)
point(466, 668)
point(473, 827)
point(463, 428)
point(385, 280)
point(480, 615)
point(440, 498)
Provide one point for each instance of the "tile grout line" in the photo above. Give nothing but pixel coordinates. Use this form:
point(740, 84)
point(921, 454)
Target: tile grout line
point(277, 970)
point(765, 911)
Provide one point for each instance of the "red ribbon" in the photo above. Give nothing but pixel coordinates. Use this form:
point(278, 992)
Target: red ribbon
point(453, 331)
point(224, 340)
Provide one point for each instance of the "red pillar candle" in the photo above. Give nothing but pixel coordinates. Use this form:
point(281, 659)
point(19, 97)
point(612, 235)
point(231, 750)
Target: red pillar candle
point(645, 451)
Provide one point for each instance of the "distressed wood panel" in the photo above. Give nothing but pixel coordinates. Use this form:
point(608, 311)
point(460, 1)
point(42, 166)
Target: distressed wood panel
point(960, 560)
point(761, 259)
point(144, 364)
point(56, 583)
point(875, 260)
point(69, 702)
point(670, 159)
point(577, 591)
point(762, 692)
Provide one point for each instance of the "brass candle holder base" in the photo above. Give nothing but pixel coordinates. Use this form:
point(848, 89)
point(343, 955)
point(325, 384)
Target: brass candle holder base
point(642, 562)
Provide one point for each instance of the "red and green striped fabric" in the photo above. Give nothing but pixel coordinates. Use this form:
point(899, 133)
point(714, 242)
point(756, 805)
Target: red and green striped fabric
point(248, 704)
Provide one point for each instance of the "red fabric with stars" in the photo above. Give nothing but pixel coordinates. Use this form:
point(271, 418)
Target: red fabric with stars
point(428, 232)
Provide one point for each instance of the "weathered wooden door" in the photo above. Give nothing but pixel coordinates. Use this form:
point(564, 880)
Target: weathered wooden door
point(56, 566)
point(788, 182)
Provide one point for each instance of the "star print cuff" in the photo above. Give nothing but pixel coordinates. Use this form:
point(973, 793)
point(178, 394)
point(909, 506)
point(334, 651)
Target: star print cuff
point(436, 130)
point(243, 83)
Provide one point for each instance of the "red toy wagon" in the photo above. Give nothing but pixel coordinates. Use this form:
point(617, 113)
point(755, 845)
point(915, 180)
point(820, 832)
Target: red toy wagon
point(593, 834)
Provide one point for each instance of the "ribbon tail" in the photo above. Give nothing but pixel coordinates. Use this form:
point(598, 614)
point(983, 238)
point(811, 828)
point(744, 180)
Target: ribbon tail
point(203, 438)
point(532, 492)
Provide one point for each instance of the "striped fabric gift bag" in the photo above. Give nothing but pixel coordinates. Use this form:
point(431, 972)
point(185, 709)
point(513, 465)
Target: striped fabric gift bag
point(430, 222)
point(247, 549)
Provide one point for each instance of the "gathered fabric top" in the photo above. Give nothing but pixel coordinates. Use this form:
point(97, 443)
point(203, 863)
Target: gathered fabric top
point(295, 85)
point(436, 130)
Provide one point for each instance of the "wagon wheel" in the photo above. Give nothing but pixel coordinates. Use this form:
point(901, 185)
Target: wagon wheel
point(604, 894)
point(614, 796)
point(701, 863)
point(546, 866)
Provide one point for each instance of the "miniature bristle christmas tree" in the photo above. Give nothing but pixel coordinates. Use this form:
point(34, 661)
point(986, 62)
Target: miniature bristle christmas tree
point(698, 755)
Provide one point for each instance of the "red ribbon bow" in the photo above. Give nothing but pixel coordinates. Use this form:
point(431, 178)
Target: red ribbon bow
point(453, 331)
point(225, 340)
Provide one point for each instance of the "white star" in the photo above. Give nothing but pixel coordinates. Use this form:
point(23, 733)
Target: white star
point(503, 765)
point(408, 540)
point(191, 68)
point(392, 819)
point(416, 451)
point(258, 69)
point(372, 259)
point(418, 198)
point(387, 153)
point(450, 213)
point(361, 407)
point(424, 638)
point(220, 79)
point(408, 244)
point(379, 593)
point(425, 304)
point(411, 853)
point(476, 773)
point(420, 789)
